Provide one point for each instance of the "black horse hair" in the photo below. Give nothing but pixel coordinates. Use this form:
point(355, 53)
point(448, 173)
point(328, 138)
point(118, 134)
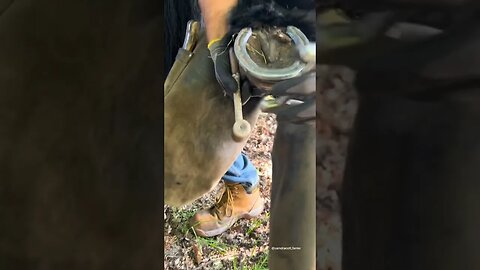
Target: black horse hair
point(177, 14)
point(248, 13)
point(256, 14)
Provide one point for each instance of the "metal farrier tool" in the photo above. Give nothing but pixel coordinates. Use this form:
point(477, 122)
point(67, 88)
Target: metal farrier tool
point(243, 66)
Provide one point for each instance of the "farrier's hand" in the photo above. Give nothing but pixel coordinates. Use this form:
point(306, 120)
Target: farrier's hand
point(219, 52)
point(295, 99)
point(215, 15)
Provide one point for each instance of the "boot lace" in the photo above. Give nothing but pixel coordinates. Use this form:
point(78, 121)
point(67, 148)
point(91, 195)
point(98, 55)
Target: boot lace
point(224, 202)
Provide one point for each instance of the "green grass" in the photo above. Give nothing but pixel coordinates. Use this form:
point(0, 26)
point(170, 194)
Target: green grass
point(213, 244)
point(262, 264)
point(254, 225)
point(181, 219)
point(234, 263)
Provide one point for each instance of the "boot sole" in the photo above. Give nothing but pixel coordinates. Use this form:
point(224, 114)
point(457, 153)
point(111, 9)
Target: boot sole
point(253, 213)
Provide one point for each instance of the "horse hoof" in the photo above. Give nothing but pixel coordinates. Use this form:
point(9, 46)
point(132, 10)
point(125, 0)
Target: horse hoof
point(241, 130)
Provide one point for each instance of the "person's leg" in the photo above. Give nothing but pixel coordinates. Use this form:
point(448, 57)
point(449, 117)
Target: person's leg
point(240, 198)
point(292, 208)
point(242, 172)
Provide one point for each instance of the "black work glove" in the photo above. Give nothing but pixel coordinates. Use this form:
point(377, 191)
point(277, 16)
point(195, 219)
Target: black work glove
point(219, 52)
point(295, 99)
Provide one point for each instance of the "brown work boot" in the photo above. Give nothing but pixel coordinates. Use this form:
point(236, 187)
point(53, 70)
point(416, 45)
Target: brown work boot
point(235, 203)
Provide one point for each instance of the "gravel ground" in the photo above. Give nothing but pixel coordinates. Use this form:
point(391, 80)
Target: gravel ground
point(245, 245)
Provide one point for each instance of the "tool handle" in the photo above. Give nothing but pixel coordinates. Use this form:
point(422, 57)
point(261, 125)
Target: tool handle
point(237, 98)
point(241, 127)
point(234, 64)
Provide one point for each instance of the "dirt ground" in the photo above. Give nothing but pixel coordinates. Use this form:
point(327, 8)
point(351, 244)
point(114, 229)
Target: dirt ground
point(245, 245)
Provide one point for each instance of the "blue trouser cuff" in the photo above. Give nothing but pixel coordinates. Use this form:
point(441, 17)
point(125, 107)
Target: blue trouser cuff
point(242, 172)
